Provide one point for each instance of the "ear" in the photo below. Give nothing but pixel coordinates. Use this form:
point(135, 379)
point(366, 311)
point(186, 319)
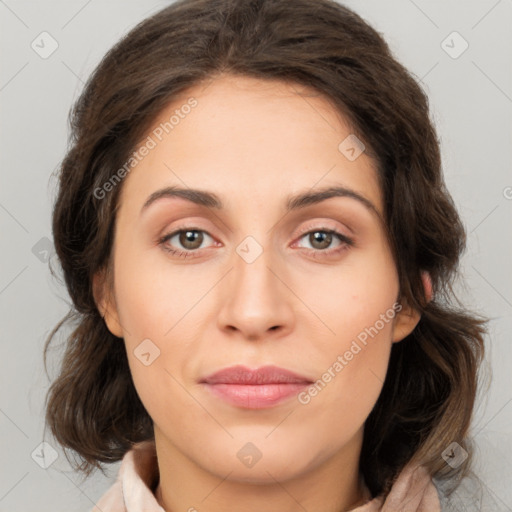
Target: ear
point(407, 318)
point(106, 303)
point(427, 285)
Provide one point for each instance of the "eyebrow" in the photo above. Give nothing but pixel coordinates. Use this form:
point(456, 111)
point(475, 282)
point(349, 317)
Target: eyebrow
point(293, 202)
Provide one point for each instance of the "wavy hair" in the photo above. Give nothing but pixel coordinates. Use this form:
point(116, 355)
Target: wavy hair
point(429, 392)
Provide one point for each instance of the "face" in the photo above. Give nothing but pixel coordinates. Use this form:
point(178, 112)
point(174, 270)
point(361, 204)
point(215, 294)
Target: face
point(259, 279)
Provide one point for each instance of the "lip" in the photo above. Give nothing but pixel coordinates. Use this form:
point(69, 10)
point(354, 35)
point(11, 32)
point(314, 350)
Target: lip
point(255, 388)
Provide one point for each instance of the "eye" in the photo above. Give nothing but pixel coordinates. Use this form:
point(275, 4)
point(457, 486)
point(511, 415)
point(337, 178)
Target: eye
point(322, 238)
point(190, 239)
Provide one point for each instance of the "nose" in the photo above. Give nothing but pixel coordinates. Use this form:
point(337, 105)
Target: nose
point(257, 303)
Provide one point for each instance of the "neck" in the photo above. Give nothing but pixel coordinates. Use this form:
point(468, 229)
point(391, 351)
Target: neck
point(332, 485)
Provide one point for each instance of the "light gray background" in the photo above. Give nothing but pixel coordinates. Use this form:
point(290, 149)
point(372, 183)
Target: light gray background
point(471, 102)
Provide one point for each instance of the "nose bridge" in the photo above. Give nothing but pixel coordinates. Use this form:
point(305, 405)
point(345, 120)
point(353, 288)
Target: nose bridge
point(256, 300)
point(252, 276)
point(254, 254)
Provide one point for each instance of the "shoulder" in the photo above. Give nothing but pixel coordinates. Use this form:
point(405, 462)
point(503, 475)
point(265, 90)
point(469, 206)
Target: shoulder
point(470, 495)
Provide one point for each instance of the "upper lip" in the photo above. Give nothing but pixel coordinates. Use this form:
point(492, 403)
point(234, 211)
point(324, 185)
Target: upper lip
point(269, 374)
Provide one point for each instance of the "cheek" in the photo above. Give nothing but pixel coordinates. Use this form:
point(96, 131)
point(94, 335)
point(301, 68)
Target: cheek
point(152, 295)
point(347, 300)
point(357, 307)
point(156, 309)
point(353, 370)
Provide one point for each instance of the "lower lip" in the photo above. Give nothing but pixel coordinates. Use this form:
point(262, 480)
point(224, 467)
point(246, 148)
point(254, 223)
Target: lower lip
point(258, 396)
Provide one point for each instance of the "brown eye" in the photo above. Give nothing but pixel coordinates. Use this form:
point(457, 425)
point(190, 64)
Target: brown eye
point(320, 239)
point(190, 239)
point(186, 241)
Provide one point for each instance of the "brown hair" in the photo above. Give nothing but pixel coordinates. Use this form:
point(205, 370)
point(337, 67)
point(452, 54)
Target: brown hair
point(428, 396)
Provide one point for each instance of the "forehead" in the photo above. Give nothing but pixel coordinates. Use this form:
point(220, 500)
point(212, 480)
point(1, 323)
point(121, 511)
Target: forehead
point(260, 138)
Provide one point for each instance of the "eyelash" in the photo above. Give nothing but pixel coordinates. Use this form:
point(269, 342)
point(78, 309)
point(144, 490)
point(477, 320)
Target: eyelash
point(346, 242)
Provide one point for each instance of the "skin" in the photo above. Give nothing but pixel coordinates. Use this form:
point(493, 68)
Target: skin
point(253, 143)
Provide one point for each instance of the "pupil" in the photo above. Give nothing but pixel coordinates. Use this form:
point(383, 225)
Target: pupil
point(189, 237)
point(319, 235)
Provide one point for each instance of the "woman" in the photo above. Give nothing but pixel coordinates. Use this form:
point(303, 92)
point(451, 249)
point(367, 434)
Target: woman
point(255, 232)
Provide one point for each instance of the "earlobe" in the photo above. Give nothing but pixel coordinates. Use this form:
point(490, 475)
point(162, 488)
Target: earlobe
point(405, 322)
point(407, 318)
point(106, 304)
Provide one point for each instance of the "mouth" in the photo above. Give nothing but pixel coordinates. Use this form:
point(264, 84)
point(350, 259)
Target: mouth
point(260, 388)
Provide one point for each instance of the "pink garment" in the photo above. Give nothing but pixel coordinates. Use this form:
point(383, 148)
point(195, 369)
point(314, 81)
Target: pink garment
point(413, 491)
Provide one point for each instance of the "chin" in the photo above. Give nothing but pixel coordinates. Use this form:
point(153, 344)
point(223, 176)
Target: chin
point(259, 474)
